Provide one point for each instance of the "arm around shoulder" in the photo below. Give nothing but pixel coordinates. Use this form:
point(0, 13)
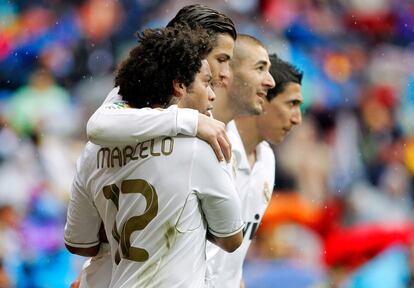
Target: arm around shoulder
point(113, 124)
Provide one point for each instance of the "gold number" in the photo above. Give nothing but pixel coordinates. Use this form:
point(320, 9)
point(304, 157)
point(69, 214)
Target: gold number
point(111, 192)
point(135, 223)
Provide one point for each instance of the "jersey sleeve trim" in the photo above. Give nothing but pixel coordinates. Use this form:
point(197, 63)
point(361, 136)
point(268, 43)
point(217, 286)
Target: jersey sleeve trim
point(222, 235)
point(81, 245)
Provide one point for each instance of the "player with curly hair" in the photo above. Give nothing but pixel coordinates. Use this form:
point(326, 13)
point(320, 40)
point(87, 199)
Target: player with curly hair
point(156, 220)
point(175, 54)
point(173, 120)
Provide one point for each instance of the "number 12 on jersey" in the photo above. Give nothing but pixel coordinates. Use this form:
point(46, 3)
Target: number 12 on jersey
point(135, 223)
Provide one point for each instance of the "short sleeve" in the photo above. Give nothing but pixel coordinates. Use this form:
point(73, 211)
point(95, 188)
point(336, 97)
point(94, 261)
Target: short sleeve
point(115, 123)
point(215, 189)
point(83, 220)
point(187, 121)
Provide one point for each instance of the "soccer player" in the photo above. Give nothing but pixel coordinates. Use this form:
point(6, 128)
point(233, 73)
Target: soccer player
point(112, 126)
point(148, 123)
point(254, 161)
point(157, 198)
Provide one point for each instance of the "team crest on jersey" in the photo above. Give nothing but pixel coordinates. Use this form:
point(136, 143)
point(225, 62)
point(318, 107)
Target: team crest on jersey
point(118, 105)
point(266, 192)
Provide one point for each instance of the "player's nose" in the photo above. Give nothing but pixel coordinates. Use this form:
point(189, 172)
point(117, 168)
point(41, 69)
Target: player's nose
point(268, 81)
point(211, 94)
point(296, 118)
point(225, 71)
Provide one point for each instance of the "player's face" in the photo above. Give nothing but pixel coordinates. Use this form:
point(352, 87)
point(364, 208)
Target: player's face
point(219, 59)
point(251, 80)
point(199, 95)
point(281, 114)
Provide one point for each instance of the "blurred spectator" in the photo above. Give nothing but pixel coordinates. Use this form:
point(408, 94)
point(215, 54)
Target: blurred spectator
point(11, 251)
point(4, 279)
point(41, 106)
point(308, 158)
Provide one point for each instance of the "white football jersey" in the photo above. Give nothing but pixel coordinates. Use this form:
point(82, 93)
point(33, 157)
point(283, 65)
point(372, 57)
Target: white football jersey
point(156, 199)
point(254, 187)
point(114, 123)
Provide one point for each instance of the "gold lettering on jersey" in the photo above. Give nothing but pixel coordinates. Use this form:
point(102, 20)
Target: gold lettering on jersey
point(116, 155)
point(101, 156)
point(167, 150)
point(152, 149)
point(142, 149)
point(110, 157)
point(128, 154)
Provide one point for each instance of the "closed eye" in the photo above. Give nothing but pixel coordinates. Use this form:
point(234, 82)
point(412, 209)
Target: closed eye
point(223, 59)
point(209, 81)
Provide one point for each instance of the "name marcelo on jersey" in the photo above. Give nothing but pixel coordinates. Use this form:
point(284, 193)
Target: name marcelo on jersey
point(109, 157)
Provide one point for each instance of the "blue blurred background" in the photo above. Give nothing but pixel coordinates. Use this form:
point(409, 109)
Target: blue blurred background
point(342, 211)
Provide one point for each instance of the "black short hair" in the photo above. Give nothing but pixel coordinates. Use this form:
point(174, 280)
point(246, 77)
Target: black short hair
point(212, 21)
point(244, 39)
point(283, 73)
point(162, 55)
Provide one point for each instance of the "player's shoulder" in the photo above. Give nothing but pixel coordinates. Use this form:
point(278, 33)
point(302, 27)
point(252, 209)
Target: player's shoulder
point(120, 104)
point(266, 147)
point(87, 156)
point(266, 153)
point(89, 151)
point(202, 150)
point(188, 141)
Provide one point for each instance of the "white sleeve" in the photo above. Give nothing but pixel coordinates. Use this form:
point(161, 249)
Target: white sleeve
point(83, 220)
point(219, 200)
point(115, 124)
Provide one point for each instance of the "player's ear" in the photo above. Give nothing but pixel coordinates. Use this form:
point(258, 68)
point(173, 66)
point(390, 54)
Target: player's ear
point(178, 89)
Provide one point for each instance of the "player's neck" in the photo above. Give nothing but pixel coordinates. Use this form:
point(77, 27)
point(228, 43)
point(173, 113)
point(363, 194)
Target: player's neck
point(222, 110)
point(223, 115)
point(249, 135)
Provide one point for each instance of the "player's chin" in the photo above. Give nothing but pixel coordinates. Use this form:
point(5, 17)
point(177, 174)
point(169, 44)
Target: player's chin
point(257, 109)
point(276, 139)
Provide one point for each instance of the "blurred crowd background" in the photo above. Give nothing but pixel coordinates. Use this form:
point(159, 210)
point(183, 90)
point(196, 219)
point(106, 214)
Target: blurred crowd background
point(342, 211)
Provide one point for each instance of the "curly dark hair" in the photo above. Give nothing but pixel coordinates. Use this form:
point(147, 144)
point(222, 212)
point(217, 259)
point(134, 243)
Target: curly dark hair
point(212, 21)
point(162, 55)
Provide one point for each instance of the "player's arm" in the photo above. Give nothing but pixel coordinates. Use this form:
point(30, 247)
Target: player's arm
point(115, 123)
point(229, 244)
point(86, 252)
point(89, 251)
point(219, 200)
point(83, 222)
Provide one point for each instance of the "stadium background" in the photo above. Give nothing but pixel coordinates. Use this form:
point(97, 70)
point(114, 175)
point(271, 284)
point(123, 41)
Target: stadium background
point(342, 212)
